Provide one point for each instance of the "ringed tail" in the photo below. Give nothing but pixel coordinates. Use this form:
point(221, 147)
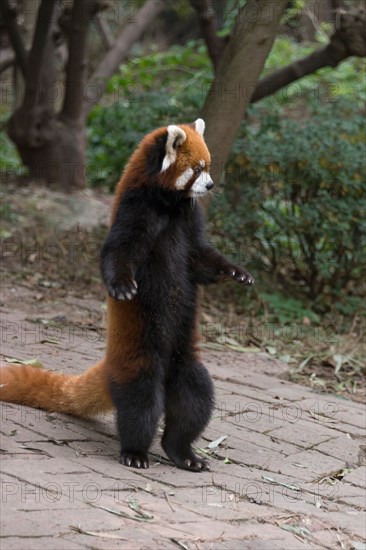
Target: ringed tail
point(82, 395)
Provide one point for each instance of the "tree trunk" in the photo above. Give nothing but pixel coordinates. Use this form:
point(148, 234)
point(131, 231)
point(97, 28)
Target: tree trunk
point(206, 15)
point(52, 146)
point(239, 69)
point(127, 36)
point(348, 39)
point(53, 151)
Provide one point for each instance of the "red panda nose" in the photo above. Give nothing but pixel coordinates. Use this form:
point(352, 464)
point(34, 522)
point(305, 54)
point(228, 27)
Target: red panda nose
point(209, 185)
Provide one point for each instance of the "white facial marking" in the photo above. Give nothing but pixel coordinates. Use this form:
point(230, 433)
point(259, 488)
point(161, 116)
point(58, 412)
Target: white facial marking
point(184, 178)
point(200, 185)
point(200, 126)
point(176, 136)
point(202, 163)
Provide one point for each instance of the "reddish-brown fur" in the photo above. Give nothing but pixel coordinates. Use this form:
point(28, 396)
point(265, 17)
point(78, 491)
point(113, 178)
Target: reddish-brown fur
point(192, 150)
point(87, 394)
point(82, 395)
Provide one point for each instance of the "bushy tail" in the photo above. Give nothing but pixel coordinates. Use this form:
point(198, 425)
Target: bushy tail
point(79, 395)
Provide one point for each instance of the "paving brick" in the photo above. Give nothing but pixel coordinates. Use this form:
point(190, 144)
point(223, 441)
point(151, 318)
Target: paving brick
point(251, 455)
point(303, 435)
point(72, 466)
point(212, 506)
point(39, 543)
point(349, 521)
point(316, 464)
point(47, 425)
point(128, 539)
point(357, 477)
point(57, 522)
point(8, 446)
point(351, 451)
point(335, 412)
point(278, 544)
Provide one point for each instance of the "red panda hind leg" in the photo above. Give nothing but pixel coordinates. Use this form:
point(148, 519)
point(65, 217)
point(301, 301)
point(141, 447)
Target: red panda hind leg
point(140, 404)
point(189, 403)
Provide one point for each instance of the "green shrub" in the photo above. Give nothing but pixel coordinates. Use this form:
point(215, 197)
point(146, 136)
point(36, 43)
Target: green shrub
point(299, 192)
point(10, 162)
point(114, 131)
point(152, 91)
point(295, 191)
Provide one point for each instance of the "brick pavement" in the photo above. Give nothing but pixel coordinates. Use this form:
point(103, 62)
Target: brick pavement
point(290, 472)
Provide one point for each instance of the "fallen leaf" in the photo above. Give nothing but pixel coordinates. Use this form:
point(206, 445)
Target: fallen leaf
point(296, 530)
point(139, 515)
point(217, 442)
point(287, 485)
point(96, 533)
point(180, 544)
point(32, 362)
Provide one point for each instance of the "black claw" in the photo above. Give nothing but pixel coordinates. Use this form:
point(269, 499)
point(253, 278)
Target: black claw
point(242, 278)
point(125, 291)
point(134, 459)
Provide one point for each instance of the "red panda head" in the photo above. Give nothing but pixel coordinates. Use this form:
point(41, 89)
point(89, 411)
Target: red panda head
point(186, 162)
point(175, 158)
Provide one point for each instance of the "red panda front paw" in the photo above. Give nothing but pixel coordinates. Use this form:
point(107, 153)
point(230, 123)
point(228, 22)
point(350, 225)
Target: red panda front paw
point(242, 276)
point(123, 291)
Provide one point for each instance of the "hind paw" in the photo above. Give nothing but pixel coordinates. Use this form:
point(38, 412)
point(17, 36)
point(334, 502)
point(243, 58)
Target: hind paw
point(194, 465)
point(183, 457)
point(134, 459)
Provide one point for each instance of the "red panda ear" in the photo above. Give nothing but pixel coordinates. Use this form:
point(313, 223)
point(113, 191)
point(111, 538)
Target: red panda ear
point(199, 126)
point(176, 136)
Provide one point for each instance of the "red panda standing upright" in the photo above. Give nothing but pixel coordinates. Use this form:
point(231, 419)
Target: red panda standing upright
point(152, 261)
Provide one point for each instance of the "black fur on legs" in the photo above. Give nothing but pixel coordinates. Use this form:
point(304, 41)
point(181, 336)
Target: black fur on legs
point(155, 256)
point(189, 400)
point(139, 406)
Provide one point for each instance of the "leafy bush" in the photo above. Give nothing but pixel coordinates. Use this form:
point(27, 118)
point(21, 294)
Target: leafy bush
point(10, 162)
point(152, 91)
point(114, 132)
point(326, 85)
point(302, 199)
point(295, 188)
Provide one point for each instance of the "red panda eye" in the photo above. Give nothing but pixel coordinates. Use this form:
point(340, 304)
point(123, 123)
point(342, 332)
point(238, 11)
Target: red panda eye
point(197, 170)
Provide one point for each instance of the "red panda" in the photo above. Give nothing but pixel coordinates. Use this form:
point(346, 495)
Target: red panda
point(153, 260)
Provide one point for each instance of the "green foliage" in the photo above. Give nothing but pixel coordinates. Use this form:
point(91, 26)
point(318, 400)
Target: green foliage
point(229, 12)
point(9, 159)
point(327, 84)
point(295, 193)
point(176, 70)
point(286, 308)
point(152, 91)
point(302, 192)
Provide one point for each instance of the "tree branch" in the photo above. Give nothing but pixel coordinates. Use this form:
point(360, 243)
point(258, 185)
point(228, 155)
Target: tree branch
point(105, 31)
point(35, 59)
point(252, 38)
point(349, 39)
point(82, 13)
point(215, 44)
point(127, 36)
point(8, 15)
point(7, 59)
